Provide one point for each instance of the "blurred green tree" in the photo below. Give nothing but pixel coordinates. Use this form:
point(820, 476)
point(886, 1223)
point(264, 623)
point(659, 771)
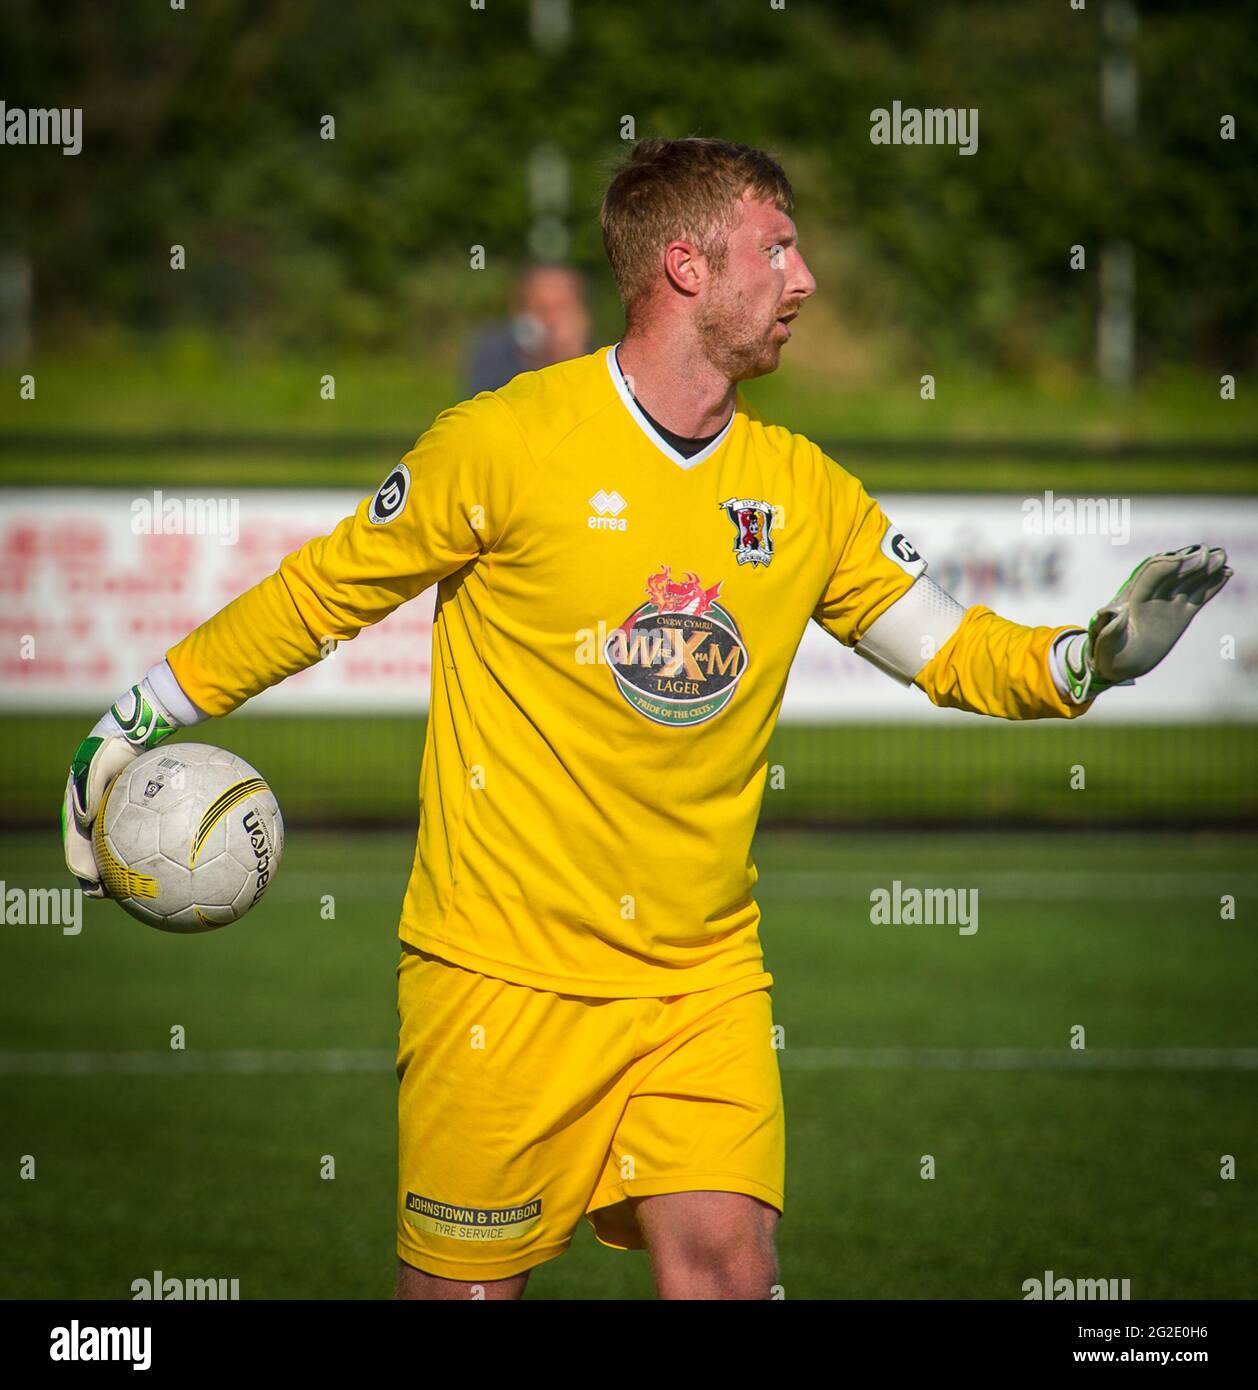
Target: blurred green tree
point(202, 127)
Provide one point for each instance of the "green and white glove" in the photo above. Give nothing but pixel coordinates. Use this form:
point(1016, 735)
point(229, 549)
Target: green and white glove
point(1141, 623)
point(139, 720)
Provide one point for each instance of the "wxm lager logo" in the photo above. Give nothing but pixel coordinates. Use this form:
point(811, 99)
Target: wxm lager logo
point(678, 658)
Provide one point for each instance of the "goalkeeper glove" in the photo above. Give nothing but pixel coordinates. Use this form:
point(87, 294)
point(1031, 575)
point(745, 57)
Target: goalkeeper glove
point(139, 720)
point(1141, 623)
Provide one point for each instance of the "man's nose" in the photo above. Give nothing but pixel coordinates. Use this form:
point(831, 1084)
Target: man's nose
point(801, 281)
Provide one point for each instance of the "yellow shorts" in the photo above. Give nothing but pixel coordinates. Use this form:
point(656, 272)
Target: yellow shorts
point(519, 1111)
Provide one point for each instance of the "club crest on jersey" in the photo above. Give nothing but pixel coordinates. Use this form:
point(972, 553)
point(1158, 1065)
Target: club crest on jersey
point(679, 657)
point(753, 521)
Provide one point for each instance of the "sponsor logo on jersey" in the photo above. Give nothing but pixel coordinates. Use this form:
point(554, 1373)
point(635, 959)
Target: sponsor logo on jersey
point(391, 496)
point(753, 521)
point(608, 506)
point(896, 546)
point(679, 657)
point(472, 1223)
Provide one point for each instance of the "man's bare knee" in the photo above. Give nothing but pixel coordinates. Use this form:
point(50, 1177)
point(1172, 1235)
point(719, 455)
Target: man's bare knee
point(710, 1245)
point(414, 1283)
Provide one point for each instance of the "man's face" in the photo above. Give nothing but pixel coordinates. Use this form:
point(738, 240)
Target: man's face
point(743, 314)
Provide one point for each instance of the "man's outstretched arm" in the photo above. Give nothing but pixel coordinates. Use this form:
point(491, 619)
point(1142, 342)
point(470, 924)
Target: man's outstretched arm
point(986, 664)
point(440, 508)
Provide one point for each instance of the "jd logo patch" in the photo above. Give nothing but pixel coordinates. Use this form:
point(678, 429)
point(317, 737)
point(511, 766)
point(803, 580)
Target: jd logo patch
point(897, 546)
point(752, 520)
point(391, 497)
point(678, 659)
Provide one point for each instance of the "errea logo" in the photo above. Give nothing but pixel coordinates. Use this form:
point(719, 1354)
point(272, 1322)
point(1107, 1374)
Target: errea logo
point(608, 506)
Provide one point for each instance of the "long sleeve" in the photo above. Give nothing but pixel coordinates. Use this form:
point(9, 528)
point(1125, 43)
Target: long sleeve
point(439, 509)
point(993, 666)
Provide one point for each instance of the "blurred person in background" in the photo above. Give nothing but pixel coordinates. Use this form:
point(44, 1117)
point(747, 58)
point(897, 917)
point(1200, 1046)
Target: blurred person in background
point(550, 322)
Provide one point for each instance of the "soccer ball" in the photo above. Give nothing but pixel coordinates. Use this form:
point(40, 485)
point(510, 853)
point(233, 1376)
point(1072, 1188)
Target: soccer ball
point(188, 838)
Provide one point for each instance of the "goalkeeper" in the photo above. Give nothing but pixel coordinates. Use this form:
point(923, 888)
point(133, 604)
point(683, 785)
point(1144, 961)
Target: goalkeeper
point(626, 556)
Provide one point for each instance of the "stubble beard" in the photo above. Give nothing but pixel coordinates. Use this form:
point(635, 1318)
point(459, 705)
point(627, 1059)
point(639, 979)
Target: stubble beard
point(730, 342)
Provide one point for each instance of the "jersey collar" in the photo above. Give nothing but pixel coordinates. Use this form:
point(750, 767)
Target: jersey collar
point(665, 448)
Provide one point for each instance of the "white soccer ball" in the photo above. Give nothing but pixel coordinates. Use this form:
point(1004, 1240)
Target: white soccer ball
point(188, 838)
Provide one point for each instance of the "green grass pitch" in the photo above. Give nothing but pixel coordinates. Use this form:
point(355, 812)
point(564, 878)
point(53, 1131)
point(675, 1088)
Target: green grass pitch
point(900, 1041)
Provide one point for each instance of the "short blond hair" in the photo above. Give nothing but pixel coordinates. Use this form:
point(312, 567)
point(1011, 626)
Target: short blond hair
point(681, 188)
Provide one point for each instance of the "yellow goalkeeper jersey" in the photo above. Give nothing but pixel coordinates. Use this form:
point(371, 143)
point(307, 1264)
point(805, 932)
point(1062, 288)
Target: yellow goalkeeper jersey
point(614, 627)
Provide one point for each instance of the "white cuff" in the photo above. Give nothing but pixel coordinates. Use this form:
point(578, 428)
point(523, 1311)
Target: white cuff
point(161, 682)
point(160, 688)
point(1071, 642)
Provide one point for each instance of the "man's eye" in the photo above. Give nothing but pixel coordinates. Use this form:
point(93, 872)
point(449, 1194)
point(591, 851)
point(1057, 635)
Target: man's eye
point(777, 255)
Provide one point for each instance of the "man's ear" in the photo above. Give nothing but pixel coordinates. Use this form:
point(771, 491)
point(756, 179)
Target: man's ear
point(685, 266)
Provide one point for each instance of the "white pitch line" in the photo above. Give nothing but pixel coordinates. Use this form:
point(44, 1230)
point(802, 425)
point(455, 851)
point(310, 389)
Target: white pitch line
point(1069, 885)
point(1021, 1058)
point(154, 1063)
point(313, 1062)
